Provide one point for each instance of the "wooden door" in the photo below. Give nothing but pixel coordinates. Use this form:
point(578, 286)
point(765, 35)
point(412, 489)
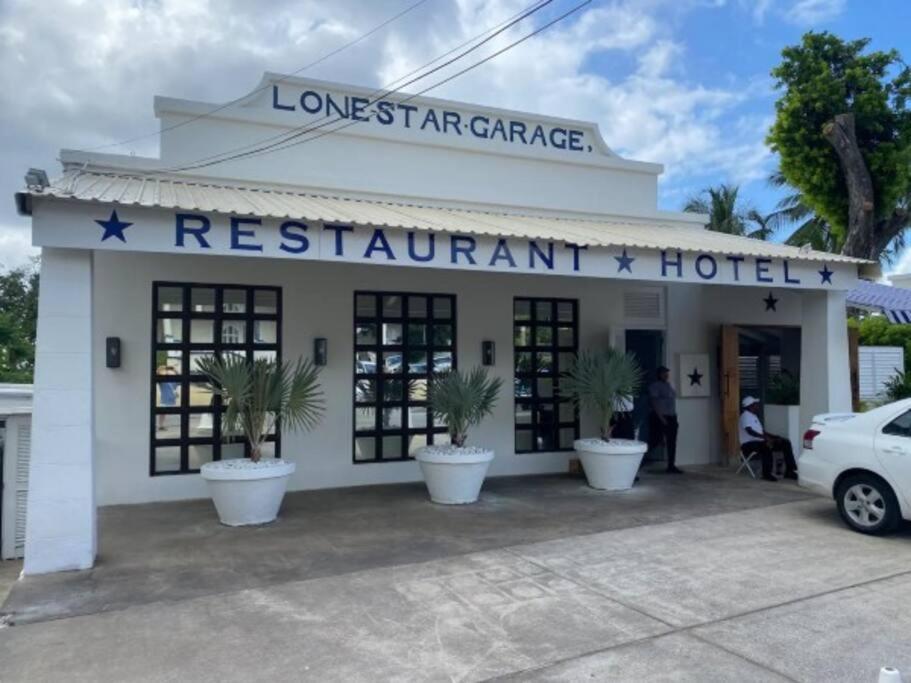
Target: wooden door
point(730, 393)
point(854, 362)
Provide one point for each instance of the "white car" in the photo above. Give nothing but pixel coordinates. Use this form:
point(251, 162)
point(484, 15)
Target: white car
point(863, 460)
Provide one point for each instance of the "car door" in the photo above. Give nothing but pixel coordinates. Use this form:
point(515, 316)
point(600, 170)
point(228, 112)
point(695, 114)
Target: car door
point(893, 450)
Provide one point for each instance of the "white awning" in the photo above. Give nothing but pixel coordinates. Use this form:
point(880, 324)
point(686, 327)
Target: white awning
point(189, 194)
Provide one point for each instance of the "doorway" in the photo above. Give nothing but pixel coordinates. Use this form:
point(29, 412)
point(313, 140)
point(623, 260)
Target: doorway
point(647, 347)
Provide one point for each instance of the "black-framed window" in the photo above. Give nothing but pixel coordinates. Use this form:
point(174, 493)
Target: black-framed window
point(545, 343)
point(189, 322)
point(400, 340)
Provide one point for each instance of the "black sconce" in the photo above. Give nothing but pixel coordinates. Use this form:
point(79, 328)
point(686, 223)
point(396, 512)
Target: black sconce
point(112, 352)
point(320, 351)
point(488, 353)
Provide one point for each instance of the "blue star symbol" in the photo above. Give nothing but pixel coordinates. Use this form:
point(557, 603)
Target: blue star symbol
point(826, 274)
point(113, 227)
point(625, 262)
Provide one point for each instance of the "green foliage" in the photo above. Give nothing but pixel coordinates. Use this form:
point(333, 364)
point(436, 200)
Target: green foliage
point(898, 387)
point(876, 330)
point(462, 400)
point(825, 76)
point(726, 213)
point(601, 381)
point(258, 395)
point(783, 390)
point(18, 320)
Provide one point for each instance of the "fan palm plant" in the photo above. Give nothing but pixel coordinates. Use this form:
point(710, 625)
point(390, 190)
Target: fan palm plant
point(462, 400)
point(257, 396)
point(601, 381)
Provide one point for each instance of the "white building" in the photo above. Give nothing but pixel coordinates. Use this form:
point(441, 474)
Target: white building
point(405, 239)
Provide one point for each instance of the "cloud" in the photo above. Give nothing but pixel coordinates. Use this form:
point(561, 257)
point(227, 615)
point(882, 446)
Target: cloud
point(15, 247)
point(809, 12)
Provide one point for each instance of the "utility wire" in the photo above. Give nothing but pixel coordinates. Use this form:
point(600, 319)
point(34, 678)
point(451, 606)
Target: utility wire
point(375, 96)
point(231, 103)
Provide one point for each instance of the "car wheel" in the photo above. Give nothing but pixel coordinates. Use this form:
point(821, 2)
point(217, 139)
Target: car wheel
point(867, 504)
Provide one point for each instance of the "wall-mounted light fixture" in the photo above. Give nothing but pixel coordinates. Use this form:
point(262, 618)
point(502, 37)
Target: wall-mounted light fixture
point(320, 351)
point(488, 353)
point(112, 352)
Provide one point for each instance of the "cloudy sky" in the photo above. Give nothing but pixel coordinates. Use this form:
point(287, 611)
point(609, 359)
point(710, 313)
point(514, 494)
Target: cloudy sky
point(682, 82)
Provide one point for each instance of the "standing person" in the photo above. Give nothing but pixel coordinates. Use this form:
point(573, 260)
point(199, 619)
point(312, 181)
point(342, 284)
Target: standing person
point(754, 439)
point(663, 424)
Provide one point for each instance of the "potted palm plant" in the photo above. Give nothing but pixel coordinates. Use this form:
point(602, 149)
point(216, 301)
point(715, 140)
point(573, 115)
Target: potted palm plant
point(602, 382)
point(454, 472)
point(258, 398)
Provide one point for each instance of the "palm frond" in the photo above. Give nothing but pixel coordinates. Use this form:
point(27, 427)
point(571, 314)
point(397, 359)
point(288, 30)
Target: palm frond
point(600, 381)
point(463, 399)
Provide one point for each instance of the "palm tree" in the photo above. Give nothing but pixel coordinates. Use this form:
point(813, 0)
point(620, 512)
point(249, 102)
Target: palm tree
point(727, 215)
point(463, 399)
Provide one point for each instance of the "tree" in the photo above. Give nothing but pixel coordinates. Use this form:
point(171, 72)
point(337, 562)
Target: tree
point(18, 320)
point(843, 134)
point(727, 215)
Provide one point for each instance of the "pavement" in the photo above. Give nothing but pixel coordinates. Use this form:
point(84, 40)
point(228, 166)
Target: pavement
point(704, 577)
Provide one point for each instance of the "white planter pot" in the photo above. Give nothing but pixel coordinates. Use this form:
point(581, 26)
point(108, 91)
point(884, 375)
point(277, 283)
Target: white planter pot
point(453, 475)
point(610, 465)
point(247, 492)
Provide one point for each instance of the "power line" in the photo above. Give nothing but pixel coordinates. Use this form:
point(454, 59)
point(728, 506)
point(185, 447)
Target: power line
point(287, 136)
point(231, 103)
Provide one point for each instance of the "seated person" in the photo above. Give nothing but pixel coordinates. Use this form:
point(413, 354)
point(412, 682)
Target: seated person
point(754, 439)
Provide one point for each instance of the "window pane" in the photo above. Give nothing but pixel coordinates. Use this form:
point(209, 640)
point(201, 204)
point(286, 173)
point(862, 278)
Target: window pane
point(392, 448)
point(442, 335)
point(202, 331)
point(393, 391)
point(417, 335)
point(265, 332)
point(365, 334)
point(545, 441)
point(565, 311)
point(567, 411)
point(232, 451)
point(170, 298)
point(417, 306)
point(392, 306)
point(365, 419)
point(566, 336)
point(392, 362)
point(169, 331)
point(365, 391)
point(522, 336)
point(523, 413)
point(442, 308)
point(545, 388)
point(201, 425)
point(567, 436)
point(365, 306)
point(201, 394)
point(544, 336)
point(267, 450)
point(524, 440)
point(417, 389)
point(265, 301)
point(234, 301)
point(522, 309)
point(417, 362)
point(566, 361)
point(167, 459)
point(199, 455)
point(392, 418)
point(365, 362)
point(169, 362)
point(196, 356)
point(392, 334)
point(271, 356)
point(442, 361)
point(202, 300)
point(543, 311)
point(523, 361)
point(545, 362)
point(417, 417)
point(167, 426)
point(365, 448)
point(523, 387)
point(168, 394)
point(233, 332)
point(546, 416)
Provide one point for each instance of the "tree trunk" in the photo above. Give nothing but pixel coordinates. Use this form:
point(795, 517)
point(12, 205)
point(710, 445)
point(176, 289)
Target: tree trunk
point(860, 240)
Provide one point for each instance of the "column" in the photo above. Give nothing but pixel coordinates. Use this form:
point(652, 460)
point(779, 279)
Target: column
point(60, 524)
point(825, 382)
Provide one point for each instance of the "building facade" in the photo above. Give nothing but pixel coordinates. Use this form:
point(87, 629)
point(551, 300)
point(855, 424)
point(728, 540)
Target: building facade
point(403, 233)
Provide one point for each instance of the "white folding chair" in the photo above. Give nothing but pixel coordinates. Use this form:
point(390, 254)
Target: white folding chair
point(746, 461)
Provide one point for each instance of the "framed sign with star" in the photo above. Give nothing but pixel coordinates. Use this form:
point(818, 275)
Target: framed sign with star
point(694, 381)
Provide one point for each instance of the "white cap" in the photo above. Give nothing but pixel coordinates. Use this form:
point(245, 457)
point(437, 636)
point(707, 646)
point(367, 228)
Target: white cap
point(748, 401)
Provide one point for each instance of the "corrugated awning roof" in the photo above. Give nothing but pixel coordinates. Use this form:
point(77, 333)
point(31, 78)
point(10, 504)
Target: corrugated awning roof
point(271, 201)
point(894, 302)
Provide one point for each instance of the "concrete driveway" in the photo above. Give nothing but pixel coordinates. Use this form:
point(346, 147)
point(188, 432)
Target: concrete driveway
point(703, 577)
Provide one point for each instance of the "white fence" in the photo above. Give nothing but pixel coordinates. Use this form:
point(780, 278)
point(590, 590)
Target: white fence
point(876, 366)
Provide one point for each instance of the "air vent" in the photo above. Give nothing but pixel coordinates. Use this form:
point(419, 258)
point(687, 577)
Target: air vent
point(642, 304)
